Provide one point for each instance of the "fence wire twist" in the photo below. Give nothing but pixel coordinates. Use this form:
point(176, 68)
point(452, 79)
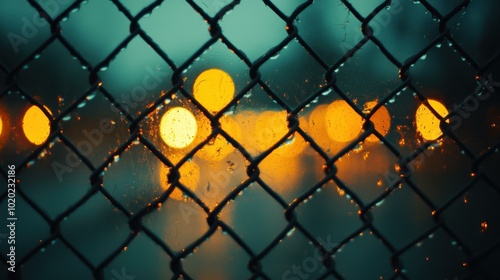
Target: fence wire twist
point(214, 223)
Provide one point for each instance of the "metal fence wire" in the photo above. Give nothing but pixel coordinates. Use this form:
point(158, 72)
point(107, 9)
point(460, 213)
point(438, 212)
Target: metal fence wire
point(475, 263)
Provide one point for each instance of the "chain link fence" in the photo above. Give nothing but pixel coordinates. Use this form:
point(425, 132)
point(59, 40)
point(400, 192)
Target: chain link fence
point(102, 196)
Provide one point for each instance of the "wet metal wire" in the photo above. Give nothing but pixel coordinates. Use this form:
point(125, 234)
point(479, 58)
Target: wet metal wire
point(216, 33)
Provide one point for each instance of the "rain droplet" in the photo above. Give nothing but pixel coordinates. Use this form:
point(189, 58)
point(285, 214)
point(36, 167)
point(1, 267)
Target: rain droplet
point(290, 139)
point(42, 250)
point(84, 67)
point(438, 45)
point(91, 96)
point(423, 57)
point(290, 232)
point(116, 158)
point(104, 68)
point(37, 56)
point(81, 105)
point(275, 56)
point(66, 118)
point(325, 93)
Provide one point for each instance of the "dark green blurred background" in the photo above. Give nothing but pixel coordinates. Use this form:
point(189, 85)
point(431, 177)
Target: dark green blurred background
point(97, 228)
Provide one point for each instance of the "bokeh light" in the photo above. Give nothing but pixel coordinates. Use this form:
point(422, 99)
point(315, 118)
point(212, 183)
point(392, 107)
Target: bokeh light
point(190, 176)
point(214, 89)
point(381, 120)
point(219, 148)
point(1, 125)
point(343, 124)
point(178, 127)
point(427, 123)
point(36, 125)
point(317, 128)
point(281, 175)
point(270, 127)
point(246, 121)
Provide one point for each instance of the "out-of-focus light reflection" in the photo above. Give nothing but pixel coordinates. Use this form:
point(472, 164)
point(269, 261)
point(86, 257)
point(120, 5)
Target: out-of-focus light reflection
point(219, 148)
point(190, 176)
point(317, 127)
point(281, 174)
point(246, 121)
point(381, 120)
point(270, 127)
point(214, 89)
point(36, 125)
point(342, 123)
point(178, 127)
point(1, 125)
point(427, 123)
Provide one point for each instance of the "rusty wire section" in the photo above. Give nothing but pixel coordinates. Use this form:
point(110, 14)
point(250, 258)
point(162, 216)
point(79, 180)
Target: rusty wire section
point(254, 265)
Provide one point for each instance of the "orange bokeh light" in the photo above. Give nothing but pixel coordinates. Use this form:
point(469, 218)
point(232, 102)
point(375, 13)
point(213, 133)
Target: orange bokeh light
point(270, 127)
point(342, 123)
point(36, 125)
point(427, 123)
point(190, 177)
point(214, 89)
point(381, 120)
point(219, 148)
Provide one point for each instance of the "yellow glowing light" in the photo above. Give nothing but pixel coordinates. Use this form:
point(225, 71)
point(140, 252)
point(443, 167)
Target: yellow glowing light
point(246, 121)
point(343, 124)
point(36, 125)
point(219, 148)
point(317, 127)
point(214, 89)
point(1, 126)
point(381, 120)
point(270, 127)
point(281, 175)
point(428, 124)
point(190, 176)
point(178, 127)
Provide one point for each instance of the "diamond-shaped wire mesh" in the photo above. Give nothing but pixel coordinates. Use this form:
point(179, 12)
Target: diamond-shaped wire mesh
point(104, 197)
